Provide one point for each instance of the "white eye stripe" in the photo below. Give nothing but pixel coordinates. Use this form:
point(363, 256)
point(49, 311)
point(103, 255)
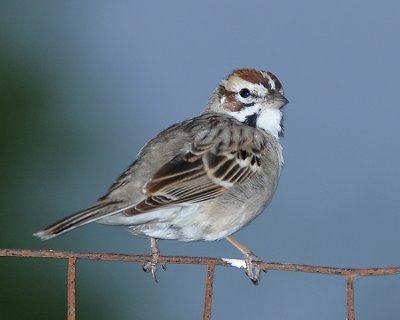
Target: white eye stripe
point(257, 90)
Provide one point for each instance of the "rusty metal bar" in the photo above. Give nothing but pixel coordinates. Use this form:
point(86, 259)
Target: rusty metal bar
point(349, 273)
point(208, 292)
point(71, 288)
point(202, 261)
point(350, 297)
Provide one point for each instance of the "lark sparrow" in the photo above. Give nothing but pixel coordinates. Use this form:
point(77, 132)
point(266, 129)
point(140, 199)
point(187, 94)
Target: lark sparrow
point(204, 178)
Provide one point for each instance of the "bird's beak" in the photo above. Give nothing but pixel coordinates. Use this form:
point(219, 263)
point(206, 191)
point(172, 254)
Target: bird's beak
point(279, 100)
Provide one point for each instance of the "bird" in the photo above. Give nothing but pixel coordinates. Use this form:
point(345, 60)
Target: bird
point(204, 178)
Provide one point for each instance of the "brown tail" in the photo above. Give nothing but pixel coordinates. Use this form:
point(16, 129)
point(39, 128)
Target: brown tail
point(76, 220)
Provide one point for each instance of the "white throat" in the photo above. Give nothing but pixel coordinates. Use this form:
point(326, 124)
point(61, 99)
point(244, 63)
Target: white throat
point(267, 119)
point(271, 121)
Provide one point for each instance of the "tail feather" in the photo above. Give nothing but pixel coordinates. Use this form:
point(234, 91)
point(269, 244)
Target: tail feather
point(78, 219)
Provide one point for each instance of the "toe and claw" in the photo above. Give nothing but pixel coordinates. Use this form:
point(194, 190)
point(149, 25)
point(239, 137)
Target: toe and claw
point(151, 266)
point(252, 270)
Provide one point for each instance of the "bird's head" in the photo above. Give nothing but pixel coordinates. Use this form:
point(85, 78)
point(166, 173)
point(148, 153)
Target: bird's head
point(253, 97)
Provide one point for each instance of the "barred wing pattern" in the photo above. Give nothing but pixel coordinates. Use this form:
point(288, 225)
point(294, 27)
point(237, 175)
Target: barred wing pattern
point(220, 158)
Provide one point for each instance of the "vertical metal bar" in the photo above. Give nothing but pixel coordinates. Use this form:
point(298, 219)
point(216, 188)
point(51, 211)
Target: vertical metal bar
point(350, 297)
point(208, 292)
point(71, 288)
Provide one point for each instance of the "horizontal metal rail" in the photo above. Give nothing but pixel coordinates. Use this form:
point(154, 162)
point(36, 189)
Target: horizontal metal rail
point(349, 273)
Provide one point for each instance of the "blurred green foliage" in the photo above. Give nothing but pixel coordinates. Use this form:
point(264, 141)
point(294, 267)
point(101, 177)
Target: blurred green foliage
point(29, 132)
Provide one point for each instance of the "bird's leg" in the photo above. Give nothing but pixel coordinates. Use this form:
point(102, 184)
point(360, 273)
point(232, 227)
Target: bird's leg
point(252, 271)
point(151, 266)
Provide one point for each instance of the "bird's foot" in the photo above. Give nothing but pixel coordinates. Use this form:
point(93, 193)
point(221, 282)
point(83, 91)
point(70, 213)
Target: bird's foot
point(151, 266)
point(252, 270)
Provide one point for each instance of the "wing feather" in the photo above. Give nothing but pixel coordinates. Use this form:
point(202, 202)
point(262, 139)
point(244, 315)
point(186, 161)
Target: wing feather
point(194, 178)
point(220, 157)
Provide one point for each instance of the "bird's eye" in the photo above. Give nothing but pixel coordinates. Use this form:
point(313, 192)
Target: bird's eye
point(244, 93)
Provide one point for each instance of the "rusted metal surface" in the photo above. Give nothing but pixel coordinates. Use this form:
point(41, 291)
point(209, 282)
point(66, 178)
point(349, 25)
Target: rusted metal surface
point(350, 297)
point(200, 260)
point(71, 295)
point(208, 292)
point(211, 263)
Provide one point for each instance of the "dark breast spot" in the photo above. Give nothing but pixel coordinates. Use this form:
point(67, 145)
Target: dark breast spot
point(251, 120)
point(242, 154)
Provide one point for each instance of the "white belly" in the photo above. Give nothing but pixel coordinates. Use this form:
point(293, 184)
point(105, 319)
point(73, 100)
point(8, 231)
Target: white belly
point(185, 223)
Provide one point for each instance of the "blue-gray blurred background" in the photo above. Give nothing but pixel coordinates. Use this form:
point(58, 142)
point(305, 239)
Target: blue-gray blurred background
point(84, 84)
